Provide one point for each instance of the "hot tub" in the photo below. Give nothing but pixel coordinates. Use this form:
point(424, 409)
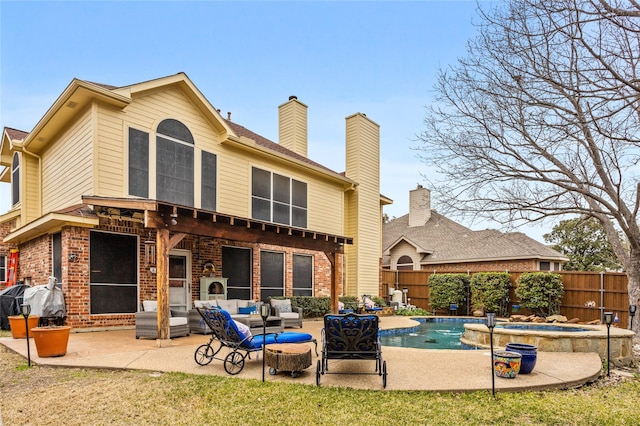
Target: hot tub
point(555, 338)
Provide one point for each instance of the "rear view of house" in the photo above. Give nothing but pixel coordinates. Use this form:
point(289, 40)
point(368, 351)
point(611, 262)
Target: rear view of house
point(124, 194)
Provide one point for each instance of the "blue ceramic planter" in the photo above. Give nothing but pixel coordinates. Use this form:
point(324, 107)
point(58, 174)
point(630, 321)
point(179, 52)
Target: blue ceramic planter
point(529, 355)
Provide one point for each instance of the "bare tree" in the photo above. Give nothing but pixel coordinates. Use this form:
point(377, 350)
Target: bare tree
point(542, 119)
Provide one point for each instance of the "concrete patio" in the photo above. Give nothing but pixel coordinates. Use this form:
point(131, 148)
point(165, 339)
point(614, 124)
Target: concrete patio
point(409, 369)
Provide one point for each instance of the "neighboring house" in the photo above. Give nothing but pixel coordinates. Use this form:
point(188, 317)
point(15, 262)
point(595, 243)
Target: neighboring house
point(125, 193)
point(426, 240)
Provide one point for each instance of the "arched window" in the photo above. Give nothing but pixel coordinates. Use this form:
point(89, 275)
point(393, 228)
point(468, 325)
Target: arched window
point(15, 179)
point(174, 163)
point(405, 263)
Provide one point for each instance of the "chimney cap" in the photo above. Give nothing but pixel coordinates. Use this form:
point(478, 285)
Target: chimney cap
point(292, 97)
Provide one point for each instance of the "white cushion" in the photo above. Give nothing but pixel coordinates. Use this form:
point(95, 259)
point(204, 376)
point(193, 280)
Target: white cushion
point(150, 305)
point(283, 305)
point(289, 315)
point(244, 330)
point(230, 306)
point(178, 321)
point(203, 304)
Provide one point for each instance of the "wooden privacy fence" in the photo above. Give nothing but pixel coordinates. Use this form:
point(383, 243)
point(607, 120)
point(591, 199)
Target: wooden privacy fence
point(586, 294)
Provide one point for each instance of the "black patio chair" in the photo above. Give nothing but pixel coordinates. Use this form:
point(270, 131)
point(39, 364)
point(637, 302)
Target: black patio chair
point(351, 337)
point(225, 333)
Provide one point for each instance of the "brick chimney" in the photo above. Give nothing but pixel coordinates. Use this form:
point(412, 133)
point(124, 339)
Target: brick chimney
point(292, 125)
point(419, 206)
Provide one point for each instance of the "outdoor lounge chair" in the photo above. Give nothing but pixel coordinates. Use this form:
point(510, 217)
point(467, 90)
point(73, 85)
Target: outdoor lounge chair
point(228, 333)
point(351, 337)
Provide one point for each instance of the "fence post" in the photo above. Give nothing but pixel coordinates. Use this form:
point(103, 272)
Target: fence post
point(601, 295)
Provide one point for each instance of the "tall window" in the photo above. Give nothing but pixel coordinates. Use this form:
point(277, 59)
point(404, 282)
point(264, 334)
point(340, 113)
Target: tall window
point(174, 163)
point(208, 184)
point(279, 199)
point(405, 263)
point(302, 275)
point(271, 274)
point(113, 277)
point(3, 268)
point(56, 255)
point(15, 179)
point(138, 163)
point(236, 262)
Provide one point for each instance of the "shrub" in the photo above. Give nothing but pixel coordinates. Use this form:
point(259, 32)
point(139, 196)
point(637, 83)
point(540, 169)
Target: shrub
point(541, 292)
point(350, 302)
point(415, 312)
point(490, 292)
point(317, 307)
point(447, 289)
point(312, 307)
point(379, 301)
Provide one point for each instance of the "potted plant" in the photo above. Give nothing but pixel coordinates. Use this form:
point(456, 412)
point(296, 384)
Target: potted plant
point(16, 323)
point(51, 340)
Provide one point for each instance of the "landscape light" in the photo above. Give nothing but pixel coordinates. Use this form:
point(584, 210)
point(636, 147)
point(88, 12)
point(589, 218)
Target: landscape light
point(25, 308)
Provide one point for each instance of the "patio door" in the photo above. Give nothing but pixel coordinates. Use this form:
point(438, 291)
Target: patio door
point(180, 280)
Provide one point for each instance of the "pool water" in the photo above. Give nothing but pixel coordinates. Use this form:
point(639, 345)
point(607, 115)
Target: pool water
point(432, 333)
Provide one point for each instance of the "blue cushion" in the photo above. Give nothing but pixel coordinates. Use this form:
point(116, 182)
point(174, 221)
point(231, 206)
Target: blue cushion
point(246, 310)
point(286, 337)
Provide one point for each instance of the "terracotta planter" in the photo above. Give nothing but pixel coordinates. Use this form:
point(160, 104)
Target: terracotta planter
point(16, 323)
point(51, 341)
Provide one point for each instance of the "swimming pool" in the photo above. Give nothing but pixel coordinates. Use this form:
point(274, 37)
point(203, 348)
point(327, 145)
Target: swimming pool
point(432, 333)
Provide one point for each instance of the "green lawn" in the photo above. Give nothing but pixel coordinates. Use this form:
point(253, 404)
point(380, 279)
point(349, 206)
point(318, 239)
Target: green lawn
point(70, 396)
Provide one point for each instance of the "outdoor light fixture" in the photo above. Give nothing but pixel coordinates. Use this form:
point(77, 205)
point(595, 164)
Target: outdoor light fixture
point(491, 323)
point(632, 313)
point(174, 218)
point(25, 308)
point(608, 319)
point(264, 313)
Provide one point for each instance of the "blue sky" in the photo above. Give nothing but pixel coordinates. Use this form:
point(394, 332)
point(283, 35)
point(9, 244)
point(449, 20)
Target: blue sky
point(379, 58)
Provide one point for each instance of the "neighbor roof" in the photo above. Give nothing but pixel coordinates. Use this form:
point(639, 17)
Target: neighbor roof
point(444, 241)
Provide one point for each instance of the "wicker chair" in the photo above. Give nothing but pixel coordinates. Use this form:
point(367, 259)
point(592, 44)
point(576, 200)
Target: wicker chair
point(291, 315)
point(147, 322)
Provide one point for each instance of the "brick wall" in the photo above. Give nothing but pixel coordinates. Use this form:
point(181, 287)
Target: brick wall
point(36, 262)
point(504, 265)
point(5, 248)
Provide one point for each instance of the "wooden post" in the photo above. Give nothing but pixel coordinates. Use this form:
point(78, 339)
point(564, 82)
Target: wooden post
point(335, 278)
point(162, 283)
point(164, 245)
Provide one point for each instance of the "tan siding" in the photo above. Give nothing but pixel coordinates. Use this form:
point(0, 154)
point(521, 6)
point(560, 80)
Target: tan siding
point(325, 203)
point(324, 209)
point(67, 166)
point(30, 195)
point(292, 126)
point(148, 110)
point(405, 249)
point(110, 154)
point(363, 165)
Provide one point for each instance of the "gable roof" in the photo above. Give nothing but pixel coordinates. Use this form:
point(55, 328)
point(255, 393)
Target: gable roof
point(446, 241)
point(80, 92)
